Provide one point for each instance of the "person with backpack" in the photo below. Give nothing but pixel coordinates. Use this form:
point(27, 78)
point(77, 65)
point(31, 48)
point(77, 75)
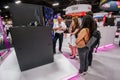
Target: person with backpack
point(88, 27)
point(90, 55)
point(74, 27)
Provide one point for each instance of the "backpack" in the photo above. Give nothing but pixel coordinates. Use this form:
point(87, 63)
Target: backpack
point(94, 40)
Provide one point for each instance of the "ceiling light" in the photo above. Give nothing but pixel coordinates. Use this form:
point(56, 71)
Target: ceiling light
point(77, 0)
point(6, 16)
point(55, 4)
point(6, 7)
point(17, 2)
point(0, 10)
point(64, 9)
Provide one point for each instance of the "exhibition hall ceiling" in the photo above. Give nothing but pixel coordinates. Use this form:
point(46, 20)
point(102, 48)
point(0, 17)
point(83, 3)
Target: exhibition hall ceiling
point(58, 9)
point(62, 3)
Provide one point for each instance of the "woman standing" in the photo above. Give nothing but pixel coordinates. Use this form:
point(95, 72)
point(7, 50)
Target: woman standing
point(74, 27)
point(88, 26)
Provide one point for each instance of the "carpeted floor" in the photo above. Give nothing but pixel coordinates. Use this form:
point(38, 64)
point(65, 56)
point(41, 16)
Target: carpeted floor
point(106, 65)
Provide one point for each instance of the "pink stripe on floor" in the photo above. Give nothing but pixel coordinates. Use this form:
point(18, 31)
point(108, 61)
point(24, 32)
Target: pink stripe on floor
point(106, 47)
point(3, 55)
point(75, 64)
point(72, 61)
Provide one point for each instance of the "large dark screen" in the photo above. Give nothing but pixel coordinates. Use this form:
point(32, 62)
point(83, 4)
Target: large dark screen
point(33, 46)
point(24, 14)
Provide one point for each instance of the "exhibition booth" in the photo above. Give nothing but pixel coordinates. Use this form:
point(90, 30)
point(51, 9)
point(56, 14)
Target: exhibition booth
point(31, 57)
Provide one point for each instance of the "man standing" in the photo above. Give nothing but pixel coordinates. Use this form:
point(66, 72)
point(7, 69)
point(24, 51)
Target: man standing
point(59, 28)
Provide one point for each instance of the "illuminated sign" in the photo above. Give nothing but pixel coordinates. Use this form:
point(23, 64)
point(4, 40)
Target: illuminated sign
point(78, 8)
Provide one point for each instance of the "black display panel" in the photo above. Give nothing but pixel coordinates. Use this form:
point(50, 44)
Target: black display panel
point(33, 46)
point(24, 14)
point(110, 21)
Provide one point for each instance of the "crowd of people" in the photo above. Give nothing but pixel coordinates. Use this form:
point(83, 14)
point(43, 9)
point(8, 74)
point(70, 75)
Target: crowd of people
point(79, 36)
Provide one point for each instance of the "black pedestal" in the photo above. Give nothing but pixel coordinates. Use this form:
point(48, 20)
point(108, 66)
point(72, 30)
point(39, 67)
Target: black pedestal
point(33, 46)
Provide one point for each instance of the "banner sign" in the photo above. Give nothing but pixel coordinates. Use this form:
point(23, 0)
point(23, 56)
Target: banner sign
point(78, 8)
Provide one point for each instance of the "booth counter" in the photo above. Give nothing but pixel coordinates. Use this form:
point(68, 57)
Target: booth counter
point(107, 35)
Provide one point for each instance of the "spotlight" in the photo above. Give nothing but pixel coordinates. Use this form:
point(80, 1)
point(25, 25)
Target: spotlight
point(6, 7)
point(17, 2)
point(78, 0)
point(6, 16)
point(64, 9)
point(55, 4)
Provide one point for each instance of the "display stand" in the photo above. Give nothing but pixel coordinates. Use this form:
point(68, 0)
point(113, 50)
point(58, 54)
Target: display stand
point(107, 35)
point(33, 46)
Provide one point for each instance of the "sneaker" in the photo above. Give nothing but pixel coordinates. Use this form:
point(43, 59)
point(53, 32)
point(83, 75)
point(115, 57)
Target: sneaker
point(72, 57)
point(83, 73)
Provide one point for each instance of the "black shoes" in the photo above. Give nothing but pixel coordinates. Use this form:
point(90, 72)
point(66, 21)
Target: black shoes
point(82, 72)
point(60, 51)
point(55, 52)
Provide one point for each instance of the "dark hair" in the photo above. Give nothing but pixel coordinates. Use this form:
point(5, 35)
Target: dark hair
point(77, 25)
point(90, 13)
point(95, 25)
point(88, 22)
